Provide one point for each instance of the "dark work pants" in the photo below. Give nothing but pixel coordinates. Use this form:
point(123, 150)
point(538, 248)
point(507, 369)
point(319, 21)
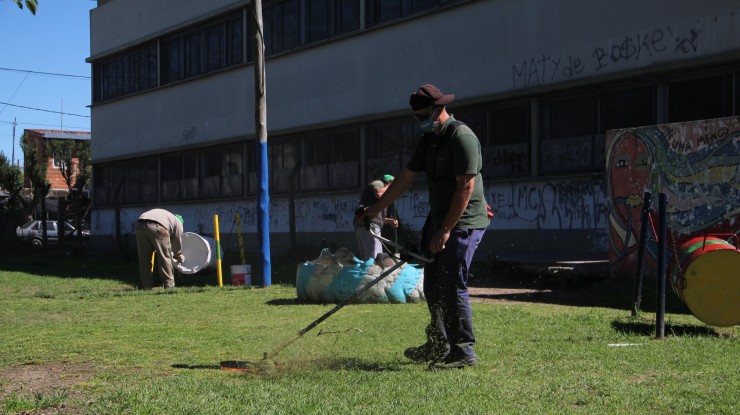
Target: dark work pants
point(446, 292)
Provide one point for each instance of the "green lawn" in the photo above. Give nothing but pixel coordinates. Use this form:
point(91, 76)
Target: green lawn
point(76, 337)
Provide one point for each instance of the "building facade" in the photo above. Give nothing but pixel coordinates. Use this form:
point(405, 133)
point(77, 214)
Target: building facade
point(540, 82)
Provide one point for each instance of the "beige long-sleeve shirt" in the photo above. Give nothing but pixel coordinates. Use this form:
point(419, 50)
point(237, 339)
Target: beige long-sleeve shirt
point(171, 223)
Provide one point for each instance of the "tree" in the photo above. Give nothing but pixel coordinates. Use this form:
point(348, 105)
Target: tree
point(74, 158)
point(36, 167)
point(11, 179)
point(74, 161)
point(31, 5)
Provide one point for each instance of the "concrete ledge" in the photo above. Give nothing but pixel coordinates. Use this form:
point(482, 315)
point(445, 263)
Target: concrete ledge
point(586, 265)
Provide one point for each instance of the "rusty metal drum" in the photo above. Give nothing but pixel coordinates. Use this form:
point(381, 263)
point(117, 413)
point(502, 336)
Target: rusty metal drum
point(706, 276)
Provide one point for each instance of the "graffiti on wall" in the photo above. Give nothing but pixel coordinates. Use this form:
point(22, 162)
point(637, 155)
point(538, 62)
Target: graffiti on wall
point(547, 204)
point(556, 204)
point(633, 47)
point(695, 164)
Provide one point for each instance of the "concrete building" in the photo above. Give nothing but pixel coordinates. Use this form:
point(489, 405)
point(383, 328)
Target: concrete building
point(539, 81)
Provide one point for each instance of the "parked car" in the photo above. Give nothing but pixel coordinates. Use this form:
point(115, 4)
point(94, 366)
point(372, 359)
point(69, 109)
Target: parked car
point(33, 231)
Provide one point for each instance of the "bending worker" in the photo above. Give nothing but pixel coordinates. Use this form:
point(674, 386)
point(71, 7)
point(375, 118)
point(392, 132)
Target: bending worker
point(368, 246)
point(450, 154)
point(159, 231)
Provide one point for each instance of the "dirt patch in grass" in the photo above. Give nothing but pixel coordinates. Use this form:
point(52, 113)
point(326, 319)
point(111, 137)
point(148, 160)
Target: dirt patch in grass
point(46, 379)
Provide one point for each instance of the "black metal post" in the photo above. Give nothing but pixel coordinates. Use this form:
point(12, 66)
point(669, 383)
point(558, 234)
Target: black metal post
point(660, 279)
point(647, 207)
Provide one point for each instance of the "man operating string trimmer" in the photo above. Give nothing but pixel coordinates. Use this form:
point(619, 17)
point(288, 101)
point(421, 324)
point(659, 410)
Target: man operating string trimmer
point(449, 153)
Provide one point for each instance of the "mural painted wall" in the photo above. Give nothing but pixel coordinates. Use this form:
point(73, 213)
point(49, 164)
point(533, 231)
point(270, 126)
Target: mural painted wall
point(696, 164)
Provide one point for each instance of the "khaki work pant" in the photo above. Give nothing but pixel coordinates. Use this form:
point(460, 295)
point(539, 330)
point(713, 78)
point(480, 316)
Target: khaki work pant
point(151, 237)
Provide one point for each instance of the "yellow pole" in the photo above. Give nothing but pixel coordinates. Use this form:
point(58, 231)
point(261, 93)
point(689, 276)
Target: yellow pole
point(239, 235)
point(153, 254)
point(218, 252)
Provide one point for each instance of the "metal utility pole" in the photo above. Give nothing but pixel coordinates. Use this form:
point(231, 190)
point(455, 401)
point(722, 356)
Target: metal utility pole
point(12, 151)
point(260, 117)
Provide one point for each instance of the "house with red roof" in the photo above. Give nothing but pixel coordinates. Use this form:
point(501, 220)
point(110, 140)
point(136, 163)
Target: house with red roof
point(53, 172)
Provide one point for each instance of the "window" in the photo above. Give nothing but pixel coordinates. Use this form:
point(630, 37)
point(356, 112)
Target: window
point(192, 49)
point(344, 163)
point(282, 26)
point(384, 144)
point(234, 37)
point(217, 44)
point(133, 181)
point(700, 98)
point(318, 18)
point(507, 152)
point(574, 127)
point(171, 171)
point(57, 160)
point(232, 174)
point(327, 18)
point(222, 172)
point(126, 73)
point(346, 16)
point(173, 57)
point(567, 143)
point(215, 49)
point(212, 169)
point(101, 186)
point(419, 5)
point(570, 117)
point(325, 160)
point(284, 157)
point(379, 11)
point(503, 132)
point(190, 180)
point(140, 184)
point(627, 108)
point(315, 166)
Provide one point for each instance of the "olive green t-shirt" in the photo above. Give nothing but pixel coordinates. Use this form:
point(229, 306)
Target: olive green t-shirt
point(444, 157)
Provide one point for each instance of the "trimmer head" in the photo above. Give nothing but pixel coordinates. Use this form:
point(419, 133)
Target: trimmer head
point(250, 366)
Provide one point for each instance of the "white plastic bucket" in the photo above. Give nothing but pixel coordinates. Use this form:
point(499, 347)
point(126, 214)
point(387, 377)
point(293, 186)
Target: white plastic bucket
point(199, 252)
point(241, 275)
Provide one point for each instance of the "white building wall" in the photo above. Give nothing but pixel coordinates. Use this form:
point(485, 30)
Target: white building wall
point(478, 50)
point(212, 109)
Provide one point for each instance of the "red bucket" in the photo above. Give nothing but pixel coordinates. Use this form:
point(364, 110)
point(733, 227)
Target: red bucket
point(706, 276)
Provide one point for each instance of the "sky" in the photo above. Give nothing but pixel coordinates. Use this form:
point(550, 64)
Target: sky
point(54, 41)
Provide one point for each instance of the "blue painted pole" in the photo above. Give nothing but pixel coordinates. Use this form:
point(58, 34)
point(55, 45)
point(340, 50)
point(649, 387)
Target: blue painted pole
point(263, 219)
point(260, 116)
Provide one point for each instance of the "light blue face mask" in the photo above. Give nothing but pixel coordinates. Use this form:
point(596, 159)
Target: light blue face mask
point(428, 125)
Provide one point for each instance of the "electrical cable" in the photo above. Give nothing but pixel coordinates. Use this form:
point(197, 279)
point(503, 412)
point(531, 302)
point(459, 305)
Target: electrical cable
point(14, 92)
point(39, 109)
point(44, 73)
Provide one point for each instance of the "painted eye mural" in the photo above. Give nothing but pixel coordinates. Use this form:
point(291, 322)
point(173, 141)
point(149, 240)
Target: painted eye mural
point(696, 164)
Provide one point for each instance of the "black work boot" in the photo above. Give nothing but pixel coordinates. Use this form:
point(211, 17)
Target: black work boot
point(427, 352)
point(453, 363)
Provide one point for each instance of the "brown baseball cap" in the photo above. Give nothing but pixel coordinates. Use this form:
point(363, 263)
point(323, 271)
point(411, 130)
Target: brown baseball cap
point(428, 95)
